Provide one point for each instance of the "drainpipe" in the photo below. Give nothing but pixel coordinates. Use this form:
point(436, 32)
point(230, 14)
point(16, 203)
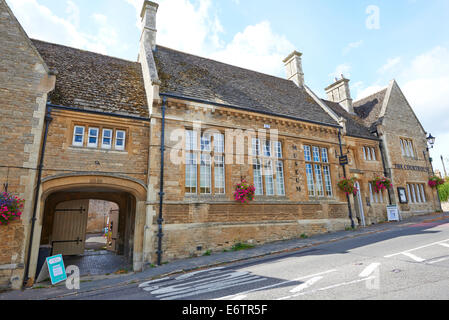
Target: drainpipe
point(161, 187)
point(48, 120)
point(382, 154)
point(344, 174)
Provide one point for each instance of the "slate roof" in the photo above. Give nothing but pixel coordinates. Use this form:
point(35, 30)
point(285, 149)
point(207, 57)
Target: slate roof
point(191, 76)
point(354, 125)
point(369, 108)
point(92, 81)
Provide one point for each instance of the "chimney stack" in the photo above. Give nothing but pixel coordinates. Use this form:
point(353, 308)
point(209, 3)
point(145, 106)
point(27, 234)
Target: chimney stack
point(148, 15)
point(293, 65)
point(339, 92)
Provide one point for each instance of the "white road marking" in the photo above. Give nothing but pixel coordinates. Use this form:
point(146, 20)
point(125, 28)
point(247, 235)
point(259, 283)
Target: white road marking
point(439, 260)
point(277, 284)
point(149, 283)
point(412, 256)
point(219, 286)
point(189, 275)
point(326, 288)
point(239, 297)
point(369, 270)
point(422, 247)
point(306, 284)
point(444, 244)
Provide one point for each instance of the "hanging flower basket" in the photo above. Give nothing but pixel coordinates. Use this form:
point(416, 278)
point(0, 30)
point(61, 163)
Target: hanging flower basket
point(244, 192)
point(348, 186)
point(10, 208)
point(381, 183)
point(435, 181)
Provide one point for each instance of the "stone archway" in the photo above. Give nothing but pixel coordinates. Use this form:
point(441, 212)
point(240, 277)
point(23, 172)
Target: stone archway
point(128, 193)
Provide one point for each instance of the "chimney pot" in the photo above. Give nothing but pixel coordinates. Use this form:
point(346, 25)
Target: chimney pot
point(148, 15)
point(339, 92)
point(293, 65)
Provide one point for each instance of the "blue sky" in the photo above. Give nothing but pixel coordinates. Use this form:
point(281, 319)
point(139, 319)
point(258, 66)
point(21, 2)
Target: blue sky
point(408, 42)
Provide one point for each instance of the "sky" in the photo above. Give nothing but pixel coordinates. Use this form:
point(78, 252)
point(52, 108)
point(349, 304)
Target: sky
point(370, 42)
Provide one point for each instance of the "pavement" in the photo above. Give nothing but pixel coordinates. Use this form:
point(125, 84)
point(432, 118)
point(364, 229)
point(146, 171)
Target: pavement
point(91, 284)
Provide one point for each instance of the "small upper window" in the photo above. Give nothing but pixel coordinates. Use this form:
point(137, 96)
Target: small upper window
point(78, 136)
point(369, 154)
point(407, 148)
point(106, 141)
point(120, 137)
point(92, 141)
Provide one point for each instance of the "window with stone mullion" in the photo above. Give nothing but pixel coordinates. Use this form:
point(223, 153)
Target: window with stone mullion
point(318, 175)
point(268, 167)
point(205, 164)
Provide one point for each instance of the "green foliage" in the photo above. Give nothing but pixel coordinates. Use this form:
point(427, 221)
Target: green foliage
point(207, 253)
point(443, 190)
point(241, 246)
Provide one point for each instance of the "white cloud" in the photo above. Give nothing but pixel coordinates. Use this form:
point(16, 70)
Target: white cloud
point(352, 45)
point(41, 23)
point(365, 92)
point(342, 69)
point(390, 65)
point(257, 47)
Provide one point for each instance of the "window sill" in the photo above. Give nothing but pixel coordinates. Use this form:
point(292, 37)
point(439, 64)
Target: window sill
point(97, 150)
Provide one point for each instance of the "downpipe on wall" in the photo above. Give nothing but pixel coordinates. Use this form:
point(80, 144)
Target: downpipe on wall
point(344, 174)
point(48, 120)
point(160, 219)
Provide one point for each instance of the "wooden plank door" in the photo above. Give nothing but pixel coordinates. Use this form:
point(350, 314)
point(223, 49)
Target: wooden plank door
point(69, 227)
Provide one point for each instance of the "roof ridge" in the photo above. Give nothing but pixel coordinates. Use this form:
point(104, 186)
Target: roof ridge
point(224, 63)
point(372, 94)
point(82, 50)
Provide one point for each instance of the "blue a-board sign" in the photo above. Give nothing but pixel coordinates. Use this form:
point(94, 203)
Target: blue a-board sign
point(56, 269)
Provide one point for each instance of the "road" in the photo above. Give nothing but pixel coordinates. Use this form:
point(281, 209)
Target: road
point(407, 263)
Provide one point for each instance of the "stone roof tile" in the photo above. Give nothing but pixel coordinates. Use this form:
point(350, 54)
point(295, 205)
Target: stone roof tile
point(92, 81)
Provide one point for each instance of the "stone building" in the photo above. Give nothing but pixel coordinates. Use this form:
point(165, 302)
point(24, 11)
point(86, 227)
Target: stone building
point(168, 138)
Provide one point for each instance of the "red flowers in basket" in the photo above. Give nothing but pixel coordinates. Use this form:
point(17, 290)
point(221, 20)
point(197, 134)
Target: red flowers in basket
point(348, 186)
point(244, 192)
point(435, 181)
point(10, 208)
point(381, 183)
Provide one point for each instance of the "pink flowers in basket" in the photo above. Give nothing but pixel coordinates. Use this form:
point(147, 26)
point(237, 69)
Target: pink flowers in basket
point(244, 192)
point(381, 183)
point(10, 208)
point(435, 182)
point(348, 186)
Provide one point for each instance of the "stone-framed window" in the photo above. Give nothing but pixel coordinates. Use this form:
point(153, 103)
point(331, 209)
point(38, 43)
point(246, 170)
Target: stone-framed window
point(369, 154)
point(78, 136)
point(376, 197)
point(98, 137)
point(206, 162)
point(407, 148)
point(106, 140)
point(416, 193)
point(120, 139)
point(318, 174)
point(92, 137)
point(268, 167)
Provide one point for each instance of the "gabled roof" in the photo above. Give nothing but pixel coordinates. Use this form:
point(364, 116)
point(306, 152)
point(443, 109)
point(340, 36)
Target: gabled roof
point(369, 108)
point(354, 125)
point(92, 81)
point(191, 76)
